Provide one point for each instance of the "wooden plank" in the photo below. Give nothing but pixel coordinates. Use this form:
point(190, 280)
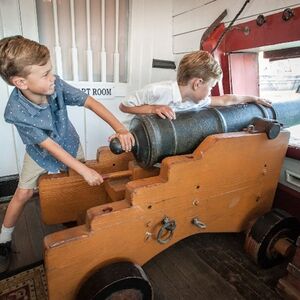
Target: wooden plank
point(115, 188)
point(35, 232)
point(180, 283)
point(288, 290)
point(236, 268)
point(191, 265)
point(22, 250)
point(188, 42)
point(163, 287)
point(59, 206)
point(202, 16)
point(180, 6)
point(65, 197)
point(282, 53)
point(197, 274)
point(28, 235)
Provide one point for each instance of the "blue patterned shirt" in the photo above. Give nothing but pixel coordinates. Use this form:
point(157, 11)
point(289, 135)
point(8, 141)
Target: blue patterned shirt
point(35, 123)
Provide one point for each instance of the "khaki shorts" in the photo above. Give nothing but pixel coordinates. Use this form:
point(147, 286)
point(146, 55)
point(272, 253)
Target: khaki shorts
point(31, 171)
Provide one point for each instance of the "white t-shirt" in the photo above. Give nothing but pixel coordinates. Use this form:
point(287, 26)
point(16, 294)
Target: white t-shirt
point(161, 93)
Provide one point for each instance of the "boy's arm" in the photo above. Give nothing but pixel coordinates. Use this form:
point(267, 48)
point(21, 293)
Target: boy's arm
point(161, 110)
point(125, 137)
point(91, 176)
point(231, 99)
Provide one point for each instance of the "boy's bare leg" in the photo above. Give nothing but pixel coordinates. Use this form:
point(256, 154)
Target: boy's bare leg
point(16, 206)
point(12, 214)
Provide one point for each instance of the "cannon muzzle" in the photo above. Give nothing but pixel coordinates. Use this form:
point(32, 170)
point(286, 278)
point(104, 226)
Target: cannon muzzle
point(158, 138)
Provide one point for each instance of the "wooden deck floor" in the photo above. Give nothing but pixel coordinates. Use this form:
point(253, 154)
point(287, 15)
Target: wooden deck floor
point(206, 266)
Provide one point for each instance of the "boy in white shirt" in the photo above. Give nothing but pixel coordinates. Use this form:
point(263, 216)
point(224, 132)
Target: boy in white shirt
point(198, 72)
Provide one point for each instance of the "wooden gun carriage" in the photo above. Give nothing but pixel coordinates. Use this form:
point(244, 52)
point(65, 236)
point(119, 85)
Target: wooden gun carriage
point(224, 184)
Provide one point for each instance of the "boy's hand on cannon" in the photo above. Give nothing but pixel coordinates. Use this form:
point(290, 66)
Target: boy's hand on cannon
point(92, 177)
point(164, 111)
point(263, 101)
point(125, 137)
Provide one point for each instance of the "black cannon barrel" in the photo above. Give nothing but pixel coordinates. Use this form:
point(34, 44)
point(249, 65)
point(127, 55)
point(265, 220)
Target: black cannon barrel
point(158, 138)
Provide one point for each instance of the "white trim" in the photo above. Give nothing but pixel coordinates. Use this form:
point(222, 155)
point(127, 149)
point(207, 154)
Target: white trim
point(74, 48)
point(103, 53)
point(57, 48)
point(89, 52)
point(116, 54)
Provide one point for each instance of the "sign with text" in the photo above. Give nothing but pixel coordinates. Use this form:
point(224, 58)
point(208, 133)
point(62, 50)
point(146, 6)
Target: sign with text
point(108, 92)
point(101, 90)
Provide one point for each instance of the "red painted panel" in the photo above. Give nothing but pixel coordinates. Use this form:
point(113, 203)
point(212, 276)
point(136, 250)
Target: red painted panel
point(222, 87)
point(275, 31)
point(293, 152)
point(244, 78)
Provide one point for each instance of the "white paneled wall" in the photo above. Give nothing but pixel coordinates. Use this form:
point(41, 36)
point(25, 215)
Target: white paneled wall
point(14, 19)
point(192, 17)
point(150, 36)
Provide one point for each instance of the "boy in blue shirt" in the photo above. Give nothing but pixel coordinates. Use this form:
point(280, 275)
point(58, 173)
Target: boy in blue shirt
point(37, 107)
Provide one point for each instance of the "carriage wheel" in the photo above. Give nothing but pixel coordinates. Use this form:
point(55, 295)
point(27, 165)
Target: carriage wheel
point(117, 281)
point(272, 237)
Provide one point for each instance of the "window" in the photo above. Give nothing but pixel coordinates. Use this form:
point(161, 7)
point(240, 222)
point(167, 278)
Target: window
point(279, 80)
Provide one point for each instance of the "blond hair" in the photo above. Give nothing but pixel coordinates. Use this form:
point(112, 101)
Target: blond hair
point(17, 54)
point(198, 64)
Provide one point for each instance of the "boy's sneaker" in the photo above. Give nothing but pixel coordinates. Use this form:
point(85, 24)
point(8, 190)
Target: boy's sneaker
point(5, 256)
